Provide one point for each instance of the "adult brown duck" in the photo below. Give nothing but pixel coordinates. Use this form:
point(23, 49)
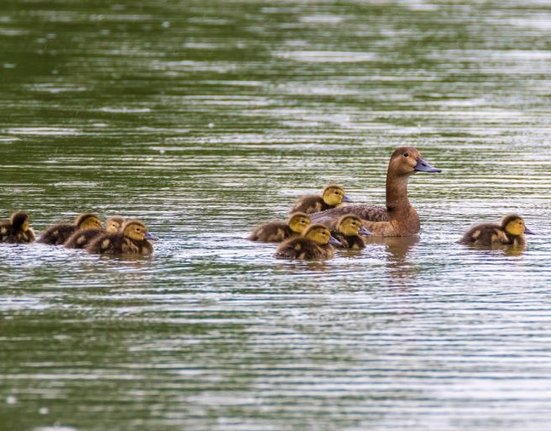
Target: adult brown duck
point(398, 217)
point(510, 232)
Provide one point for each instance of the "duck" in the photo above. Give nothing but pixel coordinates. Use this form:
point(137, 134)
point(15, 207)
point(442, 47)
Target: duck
point(277, 231)
point(133, 239)
point(398, 218)
point(511, 232)
point(315, 242)
point(82, 237)
point(332, 196)
point(58, 233)
point(17, 229)
point(348, 231)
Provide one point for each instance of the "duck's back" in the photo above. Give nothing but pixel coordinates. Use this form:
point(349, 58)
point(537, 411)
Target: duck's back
point(310, 204)
point(275, 231)
point(117, 243)
point(485, 234)
point(57, 234)
point(365, 212)
point(302, 248)
point(352, 242)
point(11, 235)
point(82, 238)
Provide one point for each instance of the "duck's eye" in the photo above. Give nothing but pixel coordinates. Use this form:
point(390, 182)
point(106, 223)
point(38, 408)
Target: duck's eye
point(406, 154)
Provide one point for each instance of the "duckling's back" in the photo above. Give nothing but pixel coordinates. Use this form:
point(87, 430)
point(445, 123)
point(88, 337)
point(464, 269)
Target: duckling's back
point(118, 244)
point(57, 234)
point(352, 242)
point(9, 234)
point(310, 204)
point(485, 234)
point(82, 238)
point(275, 231)
point(303, 248)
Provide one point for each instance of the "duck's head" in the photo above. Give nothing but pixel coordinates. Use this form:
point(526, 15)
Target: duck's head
point(514, 225)
point(136, 230)
point(334, 195)
point(88, 221)
point(407, 161)
point(114, 224)
point(298, 222)
point(319, 234)
point(351, 225)
point(20, 221)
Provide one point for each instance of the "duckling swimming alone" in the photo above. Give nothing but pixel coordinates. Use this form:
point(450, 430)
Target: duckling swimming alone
point(348, 230)
point(60, 232)
point(83, 237)
point(510, 232)
point(17, 229)
point(331, 196)
point(278, 231)
point(314, 243)
point(398, 218)
point(133, 239)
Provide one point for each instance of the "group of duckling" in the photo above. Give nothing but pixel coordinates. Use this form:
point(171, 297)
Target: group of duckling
point(316, 224)
point(319, 223)
point(117, 237)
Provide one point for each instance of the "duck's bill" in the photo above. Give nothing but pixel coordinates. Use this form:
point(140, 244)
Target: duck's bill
point(151, 237)
point(364, 231)
point(334, 241)
point(528, 231)
point(424, 166)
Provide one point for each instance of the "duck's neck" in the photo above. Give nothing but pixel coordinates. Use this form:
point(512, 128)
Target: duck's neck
point(397, 201)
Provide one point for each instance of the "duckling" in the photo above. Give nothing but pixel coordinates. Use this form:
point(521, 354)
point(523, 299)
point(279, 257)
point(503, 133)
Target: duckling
point(510, 232)
point(315, 242)
point(348, 230)
point(331, 196)
point(60, 232)
point(82, 237)
point(132, 240)
point(277, 231)
point(17, 229)
point(399, 217)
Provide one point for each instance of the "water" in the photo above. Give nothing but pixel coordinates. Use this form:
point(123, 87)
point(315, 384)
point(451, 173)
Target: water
point(206, 118)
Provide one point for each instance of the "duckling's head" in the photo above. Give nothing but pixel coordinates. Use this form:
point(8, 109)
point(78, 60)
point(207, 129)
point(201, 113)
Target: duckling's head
point(407, 160)
point(88, 221)
point(334, 195)
point(20, 221)
point(114, 224)
point(299, 221)
point(318, 233)
point(135, 229)
point(514, 225)
point(351, 225)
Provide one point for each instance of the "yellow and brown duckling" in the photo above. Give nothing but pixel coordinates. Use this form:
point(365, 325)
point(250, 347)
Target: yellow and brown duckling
point(348, 231)
point(398, 217)
point(277, 231)
point(60, 232)
point(315, 242)
point(511, 231)
point(132, 240)
point(83, 237)
point(331, 197)
point(17, 229)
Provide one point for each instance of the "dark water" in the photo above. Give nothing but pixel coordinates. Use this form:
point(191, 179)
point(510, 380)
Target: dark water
point(204, 118)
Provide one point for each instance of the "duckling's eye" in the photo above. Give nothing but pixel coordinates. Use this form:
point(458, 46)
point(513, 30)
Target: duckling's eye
point(406, 154)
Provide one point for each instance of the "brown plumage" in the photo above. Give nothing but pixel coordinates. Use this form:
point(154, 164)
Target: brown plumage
point(510, 232)
point(277, 231)
point(398, 218)
point(60, 232)
point(133, 240)
point(331, 196)
point(83, 237)
point(312, 244)
point(17, 229)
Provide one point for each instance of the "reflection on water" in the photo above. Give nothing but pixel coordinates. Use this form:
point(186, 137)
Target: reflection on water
point(204, 118)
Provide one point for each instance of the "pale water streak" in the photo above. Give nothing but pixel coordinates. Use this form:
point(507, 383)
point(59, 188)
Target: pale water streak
point(205, 118)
